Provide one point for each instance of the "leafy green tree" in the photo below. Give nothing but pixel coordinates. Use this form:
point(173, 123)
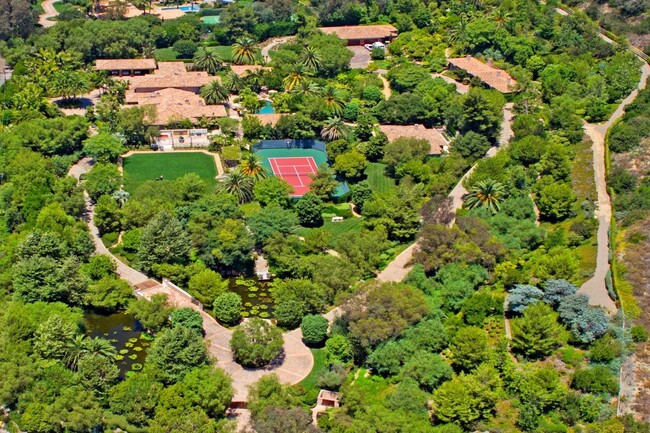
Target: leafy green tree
point(351, 165)
point(555, 202)
point(227, 308)
point(470, 347)
point(108, 294)
point(597, 379)
point(289, 313)
point(361, 193)
point(103, 179)
point(605, 349)
point(135, 398)
point(313, 296)
point(187, 318)
point(429, 370)
point(99, 266)
point(309, 209)
point(403, 149)
point(104, 147)
point(279, 419)
point(153, 314)
point(185, 48)
point(270, 220)
point(97, 372)
point(406, 76)
point(182, 420)
point(536, 334)
point(175, 352)
point(323, 183)
point(163, 240)
point(255, 343)
point(52, 337)
point(314, 329)
point(471, 145)
point(273, 190)
point(39, 279)
point(463, 400)
point(338, 349)
point(206, 285)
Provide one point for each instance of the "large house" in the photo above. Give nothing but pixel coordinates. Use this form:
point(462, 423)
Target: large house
point(175, 104)
point(126, 67)
point(494, 77)
point(170, 75)
point(361, 35)
point(435, 138)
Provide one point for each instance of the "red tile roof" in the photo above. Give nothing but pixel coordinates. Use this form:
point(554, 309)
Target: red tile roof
point(125, 64)
point(494, 77)
point(433, 136)
point(375, 31)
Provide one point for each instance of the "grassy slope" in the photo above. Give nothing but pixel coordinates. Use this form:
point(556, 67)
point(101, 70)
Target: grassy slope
point(348, 227)
point(379, 181)
point(140, 168)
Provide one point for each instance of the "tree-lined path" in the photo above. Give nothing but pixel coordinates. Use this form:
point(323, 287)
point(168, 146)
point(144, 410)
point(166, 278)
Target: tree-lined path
point(49, 12)
point(292, 366)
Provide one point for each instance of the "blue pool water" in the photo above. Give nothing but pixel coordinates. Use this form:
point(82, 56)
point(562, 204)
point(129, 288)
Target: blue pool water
point(267, 109)
point(193, 8)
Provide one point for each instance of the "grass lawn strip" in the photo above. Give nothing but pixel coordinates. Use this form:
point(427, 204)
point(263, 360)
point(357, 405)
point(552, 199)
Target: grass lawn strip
point(144, 167)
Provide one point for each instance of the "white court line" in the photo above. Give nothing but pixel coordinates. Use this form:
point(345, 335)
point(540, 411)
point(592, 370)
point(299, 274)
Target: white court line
point(312, 164)
point(298, 176)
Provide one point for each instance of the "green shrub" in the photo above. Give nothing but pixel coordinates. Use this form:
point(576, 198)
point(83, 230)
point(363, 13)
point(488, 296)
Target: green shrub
point(597, 380)
point(639, 334)
point(314, 330)
point(255, 343)
point(605, 349)
point(227, 308)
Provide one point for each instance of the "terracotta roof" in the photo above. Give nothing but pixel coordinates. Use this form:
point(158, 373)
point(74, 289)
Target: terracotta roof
point(175, 103)
point(494, 77)
point(124, 64)
point(170, 74)
point(268, 119)
point(433, 136)
point(376, 31)
point(241, 70)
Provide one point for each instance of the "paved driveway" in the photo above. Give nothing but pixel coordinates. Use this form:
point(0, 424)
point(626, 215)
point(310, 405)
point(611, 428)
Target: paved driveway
point(361, 57)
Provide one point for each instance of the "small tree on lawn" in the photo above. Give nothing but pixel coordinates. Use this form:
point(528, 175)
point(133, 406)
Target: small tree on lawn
point(227, 308)
point(310, 209)
point(256, 343)
point(314, 329)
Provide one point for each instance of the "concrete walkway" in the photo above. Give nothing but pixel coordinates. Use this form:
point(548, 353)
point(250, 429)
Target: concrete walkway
point(272, 44)
point(460, 87)
point(595, 288)
point(49, 12)
point(292, 366)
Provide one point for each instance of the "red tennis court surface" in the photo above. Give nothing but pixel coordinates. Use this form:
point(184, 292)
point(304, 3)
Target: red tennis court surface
point(295, 171)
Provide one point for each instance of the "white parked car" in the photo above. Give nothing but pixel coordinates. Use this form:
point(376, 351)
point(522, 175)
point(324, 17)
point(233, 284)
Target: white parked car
point(369, 47)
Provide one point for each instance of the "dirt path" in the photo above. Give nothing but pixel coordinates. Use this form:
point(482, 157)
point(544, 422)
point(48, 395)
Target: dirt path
point(595, 288)
point(295, 363)
point(386, 89)
point(274, 43)
point(49, 12)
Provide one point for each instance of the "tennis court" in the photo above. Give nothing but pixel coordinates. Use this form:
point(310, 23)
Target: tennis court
point(295, 171)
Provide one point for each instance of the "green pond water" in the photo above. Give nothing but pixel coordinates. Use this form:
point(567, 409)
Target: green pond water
point(125, 333)
point(255, 296)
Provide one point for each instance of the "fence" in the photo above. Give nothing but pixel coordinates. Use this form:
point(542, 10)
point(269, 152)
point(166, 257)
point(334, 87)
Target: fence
point(169, 284)
point(290, 144)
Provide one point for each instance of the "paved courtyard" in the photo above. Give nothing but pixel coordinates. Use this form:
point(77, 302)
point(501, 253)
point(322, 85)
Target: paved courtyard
point(361, 58)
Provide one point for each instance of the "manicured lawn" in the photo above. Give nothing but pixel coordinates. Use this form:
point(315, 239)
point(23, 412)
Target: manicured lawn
point(377, 178)
point(165, 54)
point(309, 382)
point(346, 228)
point(223, 51)
point(143, 167)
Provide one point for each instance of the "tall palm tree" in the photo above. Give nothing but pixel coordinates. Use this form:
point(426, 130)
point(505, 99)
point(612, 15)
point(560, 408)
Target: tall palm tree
point(100, 347)
point(74, 351)
point(311, 58)
point(237, 184)
point(501, 17)
point(333, 129)
point(251, 165)
point(214, 93)
point(306, 88)
point(486, 193)
point(69, 84)
point(332, 100)
point(244, 51)
point(233, 82)
point(207, 60)
point(297, 74)
point(121, 197)
point(255, 79)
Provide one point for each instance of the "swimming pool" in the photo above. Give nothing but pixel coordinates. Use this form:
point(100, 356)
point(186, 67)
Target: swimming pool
point(186, 9)
point(267, 108)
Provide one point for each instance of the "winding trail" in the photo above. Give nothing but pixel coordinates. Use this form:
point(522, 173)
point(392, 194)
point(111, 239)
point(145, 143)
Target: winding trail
point(292, 366)
point(595, 288)
point(49, 12)
point(274, 43)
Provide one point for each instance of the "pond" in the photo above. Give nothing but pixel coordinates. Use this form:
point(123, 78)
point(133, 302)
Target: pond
point(125, 333)
point(255, 296)
point(267, 108)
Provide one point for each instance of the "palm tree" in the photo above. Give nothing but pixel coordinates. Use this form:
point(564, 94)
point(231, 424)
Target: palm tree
point(233, 82)
point(297, 74)
point(214, 93)
point(74, 351)
point(244, 51)
point(332, 100)
point(311, 58)
point(306, 88)
point(251, 165)
point(69, 84)
point(486, 193)
point(333, 129)
point(255, 79)
point(207, 60)
point(100, 347)
point(121, 197)
point(237, 184)
point(501, 17)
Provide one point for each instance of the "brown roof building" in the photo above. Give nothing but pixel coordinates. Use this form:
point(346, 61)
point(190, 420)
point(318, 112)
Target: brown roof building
point(433, 136)
point(496, 78)
point(268, 119)
point(172, 104)
point(242, 70)
point(122, 67)
point(170, 75)
point(360, 35)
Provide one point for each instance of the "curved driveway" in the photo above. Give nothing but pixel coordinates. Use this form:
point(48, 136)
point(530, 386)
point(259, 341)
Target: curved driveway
point(292, 366)
point(49, 12)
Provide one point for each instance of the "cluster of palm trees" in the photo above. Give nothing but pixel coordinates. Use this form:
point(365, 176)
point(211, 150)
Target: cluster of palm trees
point(244, 52)
point(82, 346)
point(240, 181)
